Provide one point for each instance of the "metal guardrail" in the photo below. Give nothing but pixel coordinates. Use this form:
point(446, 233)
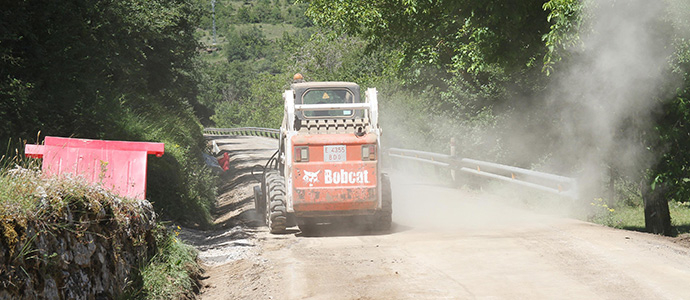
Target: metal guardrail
point(551, 183)
point(443, 160)
point(245, 131)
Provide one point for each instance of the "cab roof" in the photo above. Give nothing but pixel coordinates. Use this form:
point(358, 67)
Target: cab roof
point(303, 87)
point(326, 84)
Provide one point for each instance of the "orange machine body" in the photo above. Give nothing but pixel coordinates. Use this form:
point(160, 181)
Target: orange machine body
point(337, 177)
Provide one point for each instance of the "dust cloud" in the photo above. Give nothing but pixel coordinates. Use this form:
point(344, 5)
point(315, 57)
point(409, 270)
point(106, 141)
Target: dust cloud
point(424, 203)
point(603, 102)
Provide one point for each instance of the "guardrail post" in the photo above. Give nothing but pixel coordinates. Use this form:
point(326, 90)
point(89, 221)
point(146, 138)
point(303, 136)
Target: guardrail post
point(452, 155)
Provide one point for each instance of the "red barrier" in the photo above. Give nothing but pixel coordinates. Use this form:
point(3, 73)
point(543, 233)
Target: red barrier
point(224, 162)
point(116, 165)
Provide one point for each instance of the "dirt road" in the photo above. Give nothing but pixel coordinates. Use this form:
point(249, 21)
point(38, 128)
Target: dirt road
point(445, 244)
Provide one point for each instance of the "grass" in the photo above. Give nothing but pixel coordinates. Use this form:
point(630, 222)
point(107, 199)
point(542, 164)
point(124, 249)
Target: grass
point(16, 194)
point(272, 31)
point(632, 217)
point(171, 273)
point(26, 195)
point(179, 184)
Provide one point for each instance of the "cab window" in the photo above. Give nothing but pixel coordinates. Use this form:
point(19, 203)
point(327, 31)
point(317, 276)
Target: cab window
point(327, 96)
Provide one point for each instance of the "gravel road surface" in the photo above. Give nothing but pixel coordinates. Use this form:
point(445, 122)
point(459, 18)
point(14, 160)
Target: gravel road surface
point(445, 244)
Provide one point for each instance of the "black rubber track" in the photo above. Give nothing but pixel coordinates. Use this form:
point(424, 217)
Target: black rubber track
point(276, 212)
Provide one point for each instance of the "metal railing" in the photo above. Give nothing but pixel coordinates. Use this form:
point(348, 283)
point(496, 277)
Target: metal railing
point(560, 185)
point(244, 131)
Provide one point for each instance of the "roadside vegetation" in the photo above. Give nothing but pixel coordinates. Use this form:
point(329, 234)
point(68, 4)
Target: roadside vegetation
point(35, 211)
point(172, 272)
point(630, 216)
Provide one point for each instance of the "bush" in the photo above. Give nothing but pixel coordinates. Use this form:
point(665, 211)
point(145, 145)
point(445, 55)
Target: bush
point(180, 185)
point(172, 272)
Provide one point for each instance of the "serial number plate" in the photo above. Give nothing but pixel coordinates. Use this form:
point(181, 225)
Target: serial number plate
point(334, 153)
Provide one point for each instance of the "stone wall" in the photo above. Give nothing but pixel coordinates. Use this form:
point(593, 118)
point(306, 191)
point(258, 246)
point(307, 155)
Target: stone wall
point(81, 251)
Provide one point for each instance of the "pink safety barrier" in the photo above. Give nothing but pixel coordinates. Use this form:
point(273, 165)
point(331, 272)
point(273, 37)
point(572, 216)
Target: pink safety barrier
point(118, 166)
point(224, 162)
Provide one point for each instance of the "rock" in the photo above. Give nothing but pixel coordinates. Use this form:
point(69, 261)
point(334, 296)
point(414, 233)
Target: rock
point(3, 253)
point(29, 292)
point(5, 295)
point(78, 285)
point(100, 256)
point(83, 252)
point(73, 262)
point(50, 289)
point(66, 257)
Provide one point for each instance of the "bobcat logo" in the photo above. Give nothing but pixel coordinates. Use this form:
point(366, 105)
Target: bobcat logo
point(311, 177)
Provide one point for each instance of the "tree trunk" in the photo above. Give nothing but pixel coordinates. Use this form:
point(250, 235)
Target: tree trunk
point(657, 218)
point(612, 186)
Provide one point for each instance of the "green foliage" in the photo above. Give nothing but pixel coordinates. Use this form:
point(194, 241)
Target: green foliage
point(179, 184)
point(17, 189)
point(110, 70)
point(246, 88)
point(264, 108)
point(328, 57)
point(246, 44)
point(229, 13)
point(632, 217)
point(465, 61)
point(461, 36)
point(602, 214)
point(171, 273)
point(672, 121)
point(566, 17)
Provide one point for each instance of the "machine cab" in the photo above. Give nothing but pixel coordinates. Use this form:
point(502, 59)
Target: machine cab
point(331, 149)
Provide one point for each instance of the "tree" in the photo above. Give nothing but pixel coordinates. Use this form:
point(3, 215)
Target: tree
point(111, 70)
point(478, 54)
point(461, 36)
point(246, 44)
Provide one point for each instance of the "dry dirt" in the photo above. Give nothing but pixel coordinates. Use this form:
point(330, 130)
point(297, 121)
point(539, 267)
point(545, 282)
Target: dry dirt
point(445, 244)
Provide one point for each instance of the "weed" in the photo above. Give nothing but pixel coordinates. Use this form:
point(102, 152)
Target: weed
point(632, 217)
point(170, 274)
point(603, 214)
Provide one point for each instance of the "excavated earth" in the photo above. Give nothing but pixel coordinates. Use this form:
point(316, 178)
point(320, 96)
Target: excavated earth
point(445, 244)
